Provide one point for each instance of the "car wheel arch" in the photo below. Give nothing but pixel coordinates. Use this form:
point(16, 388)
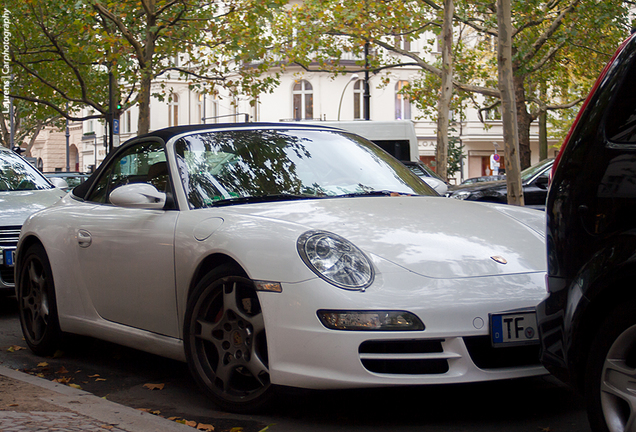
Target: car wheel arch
point(605, 291)
point(26, 243)
point(210, 263)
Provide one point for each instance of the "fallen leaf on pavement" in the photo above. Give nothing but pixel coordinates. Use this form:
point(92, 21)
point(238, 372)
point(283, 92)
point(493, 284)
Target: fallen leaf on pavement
point(75, 386)
point(154, 386)
point(100, 379)
point(191, 423)
point(62, 380)
point(205, 427)
point(14, 348)
point(93, 376)
point(43, 364)
point(61, 370)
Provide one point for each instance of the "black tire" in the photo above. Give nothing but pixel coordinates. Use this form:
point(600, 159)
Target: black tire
point(610, 380)
point(225, 344)
point(36, 302)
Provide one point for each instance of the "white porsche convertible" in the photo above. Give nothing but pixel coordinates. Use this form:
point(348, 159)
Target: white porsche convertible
point(272, 255)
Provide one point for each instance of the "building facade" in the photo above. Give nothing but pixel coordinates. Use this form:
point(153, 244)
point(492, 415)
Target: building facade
point(301, 96)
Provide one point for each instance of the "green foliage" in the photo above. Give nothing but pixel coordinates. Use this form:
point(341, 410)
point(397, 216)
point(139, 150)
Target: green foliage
point(559, 47)
point(63, 50)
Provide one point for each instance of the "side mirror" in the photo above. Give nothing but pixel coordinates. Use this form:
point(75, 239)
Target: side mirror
point(59, 182)
point(543, 182)
point(138, 195)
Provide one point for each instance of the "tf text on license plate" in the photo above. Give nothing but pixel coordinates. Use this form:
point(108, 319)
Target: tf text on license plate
point(514, 328)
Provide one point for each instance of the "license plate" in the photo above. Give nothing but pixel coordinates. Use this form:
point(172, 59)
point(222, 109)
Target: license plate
point(514, 328)
point(8, 256)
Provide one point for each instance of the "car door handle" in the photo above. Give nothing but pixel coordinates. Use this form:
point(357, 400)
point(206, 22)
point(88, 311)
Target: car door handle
point(84, 238)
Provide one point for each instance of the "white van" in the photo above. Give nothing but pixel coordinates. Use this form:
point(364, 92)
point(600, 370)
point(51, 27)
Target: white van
point(396, 137)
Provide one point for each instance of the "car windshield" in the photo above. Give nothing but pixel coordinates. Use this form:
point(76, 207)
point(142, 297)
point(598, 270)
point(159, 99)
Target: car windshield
point(532, 171)
point(242, 165)
point(18, 175)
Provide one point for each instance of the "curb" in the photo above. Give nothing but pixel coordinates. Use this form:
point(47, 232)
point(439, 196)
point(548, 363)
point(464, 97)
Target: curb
point(91, 406)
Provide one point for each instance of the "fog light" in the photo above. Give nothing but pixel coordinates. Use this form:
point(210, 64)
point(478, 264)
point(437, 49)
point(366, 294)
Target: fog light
point(370, 320)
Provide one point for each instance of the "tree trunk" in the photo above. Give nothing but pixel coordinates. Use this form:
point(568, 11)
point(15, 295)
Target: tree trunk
point(524, 120)
point(509, 109)
point(446, 91)
point(146, 64)
point(144, 104)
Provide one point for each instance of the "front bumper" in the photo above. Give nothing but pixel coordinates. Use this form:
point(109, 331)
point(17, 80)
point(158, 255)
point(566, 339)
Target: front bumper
point(454, 347)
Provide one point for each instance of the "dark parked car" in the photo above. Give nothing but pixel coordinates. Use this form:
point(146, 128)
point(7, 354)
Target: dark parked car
point(588, 320)
point(481, 179)
point(534, 181)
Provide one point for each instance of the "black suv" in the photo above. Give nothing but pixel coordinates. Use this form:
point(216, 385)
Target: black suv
point(587, 322)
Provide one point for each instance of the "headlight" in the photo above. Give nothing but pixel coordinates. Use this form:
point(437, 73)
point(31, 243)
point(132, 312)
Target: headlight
point(335, 260)
point(370, 320)
point(460, 195)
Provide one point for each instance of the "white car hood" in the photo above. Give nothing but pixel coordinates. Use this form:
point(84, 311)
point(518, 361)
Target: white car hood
point(16, 206)
point(433, 237)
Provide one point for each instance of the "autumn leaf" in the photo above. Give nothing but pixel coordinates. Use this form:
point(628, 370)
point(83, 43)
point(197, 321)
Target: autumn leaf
point(154, 386)
point(236, 429)
point(75, 386)
point(191, 423)
point(62, 380)
point(61, 370)
point(100, 379)
point(93, 376)
point(14, 348)
point(206, 427)
point(43, 364)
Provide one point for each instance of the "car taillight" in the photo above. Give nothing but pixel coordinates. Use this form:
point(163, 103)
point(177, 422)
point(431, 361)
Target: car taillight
point(587, 100)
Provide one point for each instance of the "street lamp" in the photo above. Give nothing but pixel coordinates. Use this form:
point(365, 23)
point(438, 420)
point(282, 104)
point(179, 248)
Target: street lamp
point(354, 77)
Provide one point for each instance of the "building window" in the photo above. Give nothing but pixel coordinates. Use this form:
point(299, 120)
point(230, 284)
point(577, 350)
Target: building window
point(493, 114)
point(173, 110)
point(303, 98)
point(126, 126)
point(255, 109)
point(90, 124)
point(402, 43)
point(402, 102)
point(200, 111)
point(358, 94)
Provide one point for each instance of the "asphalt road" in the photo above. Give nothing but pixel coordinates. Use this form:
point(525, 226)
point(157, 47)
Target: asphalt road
point(164, 387)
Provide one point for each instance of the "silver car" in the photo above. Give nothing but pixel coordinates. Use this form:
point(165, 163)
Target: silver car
point(23, 191)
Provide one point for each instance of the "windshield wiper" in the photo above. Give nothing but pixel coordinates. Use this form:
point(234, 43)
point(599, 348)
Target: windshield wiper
point(374, 193)
point(262, 198)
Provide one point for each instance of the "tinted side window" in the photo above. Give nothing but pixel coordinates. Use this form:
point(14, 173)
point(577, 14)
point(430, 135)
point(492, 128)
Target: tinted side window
point(621, 119)
point(142, 163)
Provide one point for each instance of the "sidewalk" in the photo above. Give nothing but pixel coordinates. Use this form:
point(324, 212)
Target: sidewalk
point(29, 403)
